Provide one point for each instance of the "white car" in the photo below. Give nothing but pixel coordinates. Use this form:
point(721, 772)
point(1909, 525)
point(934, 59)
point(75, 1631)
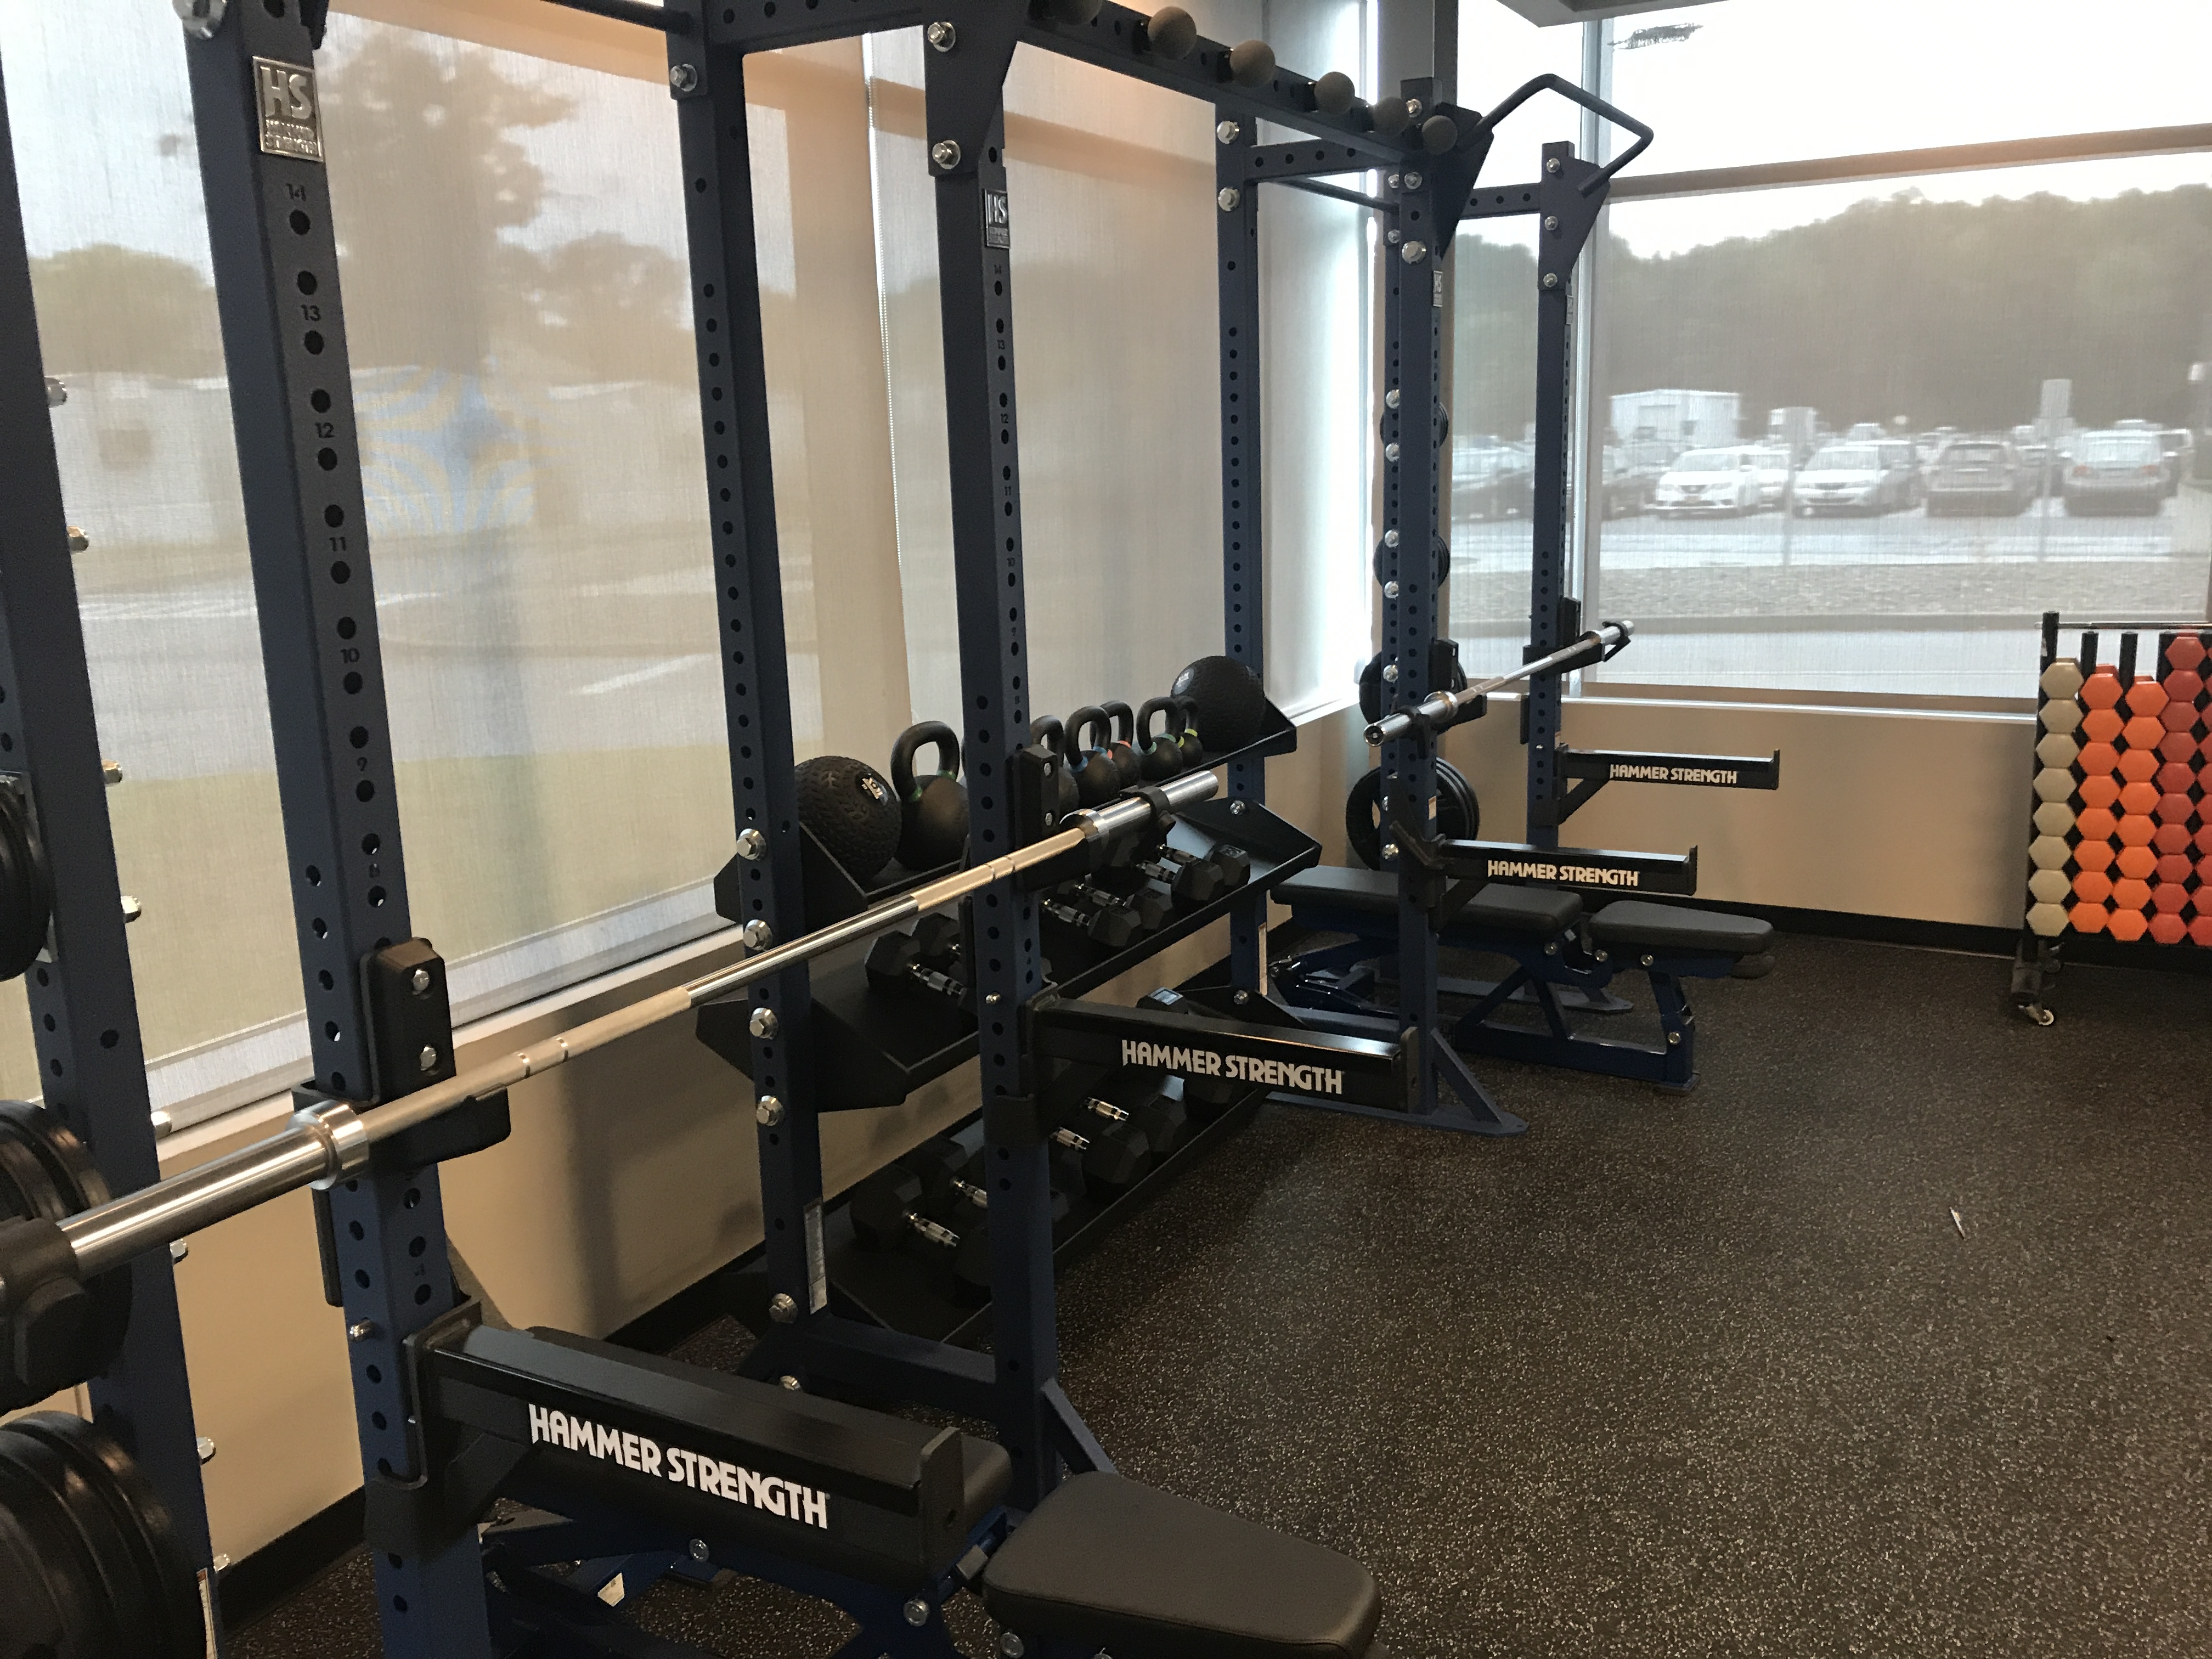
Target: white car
point(1855, 477)
point(1710, 481)
point(1772, 466)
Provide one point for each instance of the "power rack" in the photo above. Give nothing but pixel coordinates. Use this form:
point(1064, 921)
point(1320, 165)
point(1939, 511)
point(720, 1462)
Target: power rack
point(65, 935)
point(376, 993)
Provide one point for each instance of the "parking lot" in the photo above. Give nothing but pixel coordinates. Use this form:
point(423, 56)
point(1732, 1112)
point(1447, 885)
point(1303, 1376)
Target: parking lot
point(1899, 603)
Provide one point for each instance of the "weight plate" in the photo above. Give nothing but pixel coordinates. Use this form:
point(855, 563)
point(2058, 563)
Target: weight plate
point(1459, 814)
point(47, 1174)
point(88, 1548)
point(27, 893)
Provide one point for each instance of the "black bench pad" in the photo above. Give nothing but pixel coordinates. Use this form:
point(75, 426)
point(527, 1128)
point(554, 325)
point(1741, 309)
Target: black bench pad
point(1638, 926)
point(1534, 912)
point(1146, 1575)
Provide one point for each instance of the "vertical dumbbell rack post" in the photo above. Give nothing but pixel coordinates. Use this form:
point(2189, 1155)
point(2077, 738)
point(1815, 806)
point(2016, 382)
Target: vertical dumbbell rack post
point(1565, 217)
point(1430, 195)
point(257, 120)
point(84, 1016)
point(1243, 609)
point(708, 87)
point(966, 132)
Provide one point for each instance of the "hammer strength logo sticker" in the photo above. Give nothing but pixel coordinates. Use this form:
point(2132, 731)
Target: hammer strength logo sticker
point(1237, 1068)
point(680, 1467)
point(291, 117)
point(998, 225)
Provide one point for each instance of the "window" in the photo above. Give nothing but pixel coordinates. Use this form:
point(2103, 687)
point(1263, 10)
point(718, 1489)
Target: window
point(1853, 334)
point(1110, 185)
point(2035, 306)
point(511, 217)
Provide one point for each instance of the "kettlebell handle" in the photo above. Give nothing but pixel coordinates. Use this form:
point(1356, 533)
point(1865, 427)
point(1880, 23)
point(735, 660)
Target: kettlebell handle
point(1146, 737)
point(924, 735)
point(1086, 719)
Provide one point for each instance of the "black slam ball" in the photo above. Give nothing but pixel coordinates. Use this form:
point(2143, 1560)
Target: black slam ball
point(1232, 708)
point(851, 811)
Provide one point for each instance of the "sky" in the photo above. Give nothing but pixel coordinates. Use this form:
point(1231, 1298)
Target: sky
point(1783, 80)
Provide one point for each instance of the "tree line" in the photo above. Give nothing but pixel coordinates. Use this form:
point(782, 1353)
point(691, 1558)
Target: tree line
point(1949, 314)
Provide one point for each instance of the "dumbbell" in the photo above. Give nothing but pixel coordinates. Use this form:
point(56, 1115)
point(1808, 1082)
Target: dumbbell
point(1152, 907)
point(928, 957)
point(1111, 925)
point(948, 1192)
point(1136, 1091)
point(1194, 880)
point(1207, 1097)
point(1107, 1162)
point(886, 1210)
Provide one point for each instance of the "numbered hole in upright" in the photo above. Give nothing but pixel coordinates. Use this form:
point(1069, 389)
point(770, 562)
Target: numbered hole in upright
point(301, 224)
point(307, 283)
point(314, 342)
point(320, 403)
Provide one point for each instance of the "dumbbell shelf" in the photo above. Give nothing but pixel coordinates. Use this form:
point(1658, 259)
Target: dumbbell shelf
point(891, 1289)
point(874, 1048)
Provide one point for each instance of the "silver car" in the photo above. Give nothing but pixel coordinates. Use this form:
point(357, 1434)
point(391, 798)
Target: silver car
point(1855, 477)
point(2117, 471)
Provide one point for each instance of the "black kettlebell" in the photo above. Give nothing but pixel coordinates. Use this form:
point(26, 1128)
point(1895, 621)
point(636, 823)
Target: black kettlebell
point(1122, 746)
point(1097, 779)
point(1193, 747)
point(933, 811)
point(1049, 734)
point(1161, 750)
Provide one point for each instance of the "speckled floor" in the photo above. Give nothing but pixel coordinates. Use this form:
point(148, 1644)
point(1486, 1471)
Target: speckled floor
point(1711, 1376)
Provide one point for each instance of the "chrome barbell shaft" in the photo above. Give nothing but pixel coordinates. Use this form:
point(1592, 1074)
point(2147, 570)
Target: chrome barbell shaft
point(1442, 707)
point(332, 1141)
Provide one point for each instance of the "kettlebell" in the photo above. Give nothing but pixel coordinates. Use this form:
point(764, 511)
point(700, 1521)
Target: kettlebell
point(1122, 746)
point(933, 812)
point(1097, 779)
point(1193, 747)
point(1161, 750)
point(1049, 733)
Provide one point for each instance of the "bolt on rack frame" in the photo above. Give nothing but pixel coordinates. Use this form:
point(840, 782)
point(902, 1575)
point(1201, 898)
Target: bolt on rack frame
point(83, 1006)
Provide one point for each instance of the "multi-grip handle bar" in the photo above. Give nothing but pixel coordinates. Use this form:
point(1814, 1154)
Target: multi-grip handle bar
point(1440, 709)
point(331, 1141)
point(1589, 101)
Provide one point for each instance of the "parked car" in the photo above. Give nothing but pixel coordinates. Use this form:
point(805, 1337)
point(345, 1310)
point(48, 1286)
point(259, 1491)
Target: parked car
point(1900, 452)
point(1709, 481)
point(2124, 469)
point(1772, 463)
point(1627, 488)
point(1490, 479)
point(1979, 475)
point(1855, 477)
point(2180, 448)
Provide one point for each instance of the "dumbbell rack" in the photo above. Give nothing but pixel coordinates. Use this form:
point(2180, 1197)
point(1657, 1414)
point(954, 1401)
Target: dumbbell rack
point(83, 1007)
point(873, 1046)
point(2113, 851)
point(375, 995)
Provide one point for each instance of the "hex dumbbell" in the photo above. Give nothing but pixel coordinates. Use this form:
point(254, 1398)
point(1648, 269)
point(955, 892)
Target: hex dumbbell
point(886, 1211)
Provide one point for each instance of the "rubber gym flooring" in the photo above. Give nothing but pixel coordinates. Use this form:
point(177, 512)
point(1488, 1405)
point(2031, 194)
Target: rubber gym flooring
point(1713, 1374)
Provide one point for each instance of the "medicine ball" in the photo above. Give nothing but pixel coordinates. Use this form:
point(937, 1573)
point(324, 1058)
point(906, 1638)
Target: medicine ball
point(1459, 814)
point(1232, 705)
point(851, 811)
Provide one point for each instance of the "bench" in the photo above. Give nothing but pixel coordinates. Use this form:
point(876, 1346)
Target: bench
point(1564, 958)
point(631, 1467)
